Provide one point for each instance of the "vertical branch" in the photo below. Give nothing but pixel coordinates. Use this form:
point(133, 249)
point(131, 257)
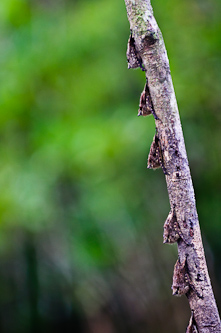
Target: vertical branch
point(146, 49)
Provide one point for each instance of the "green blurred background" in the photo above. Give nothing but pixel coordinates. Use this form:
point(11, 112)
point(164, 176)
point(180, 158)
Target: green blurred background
point(81, 218)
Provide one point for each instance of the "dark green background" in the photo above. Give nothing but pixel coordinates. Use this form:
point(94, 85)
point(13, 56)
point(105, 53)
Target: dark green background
point(81, 218)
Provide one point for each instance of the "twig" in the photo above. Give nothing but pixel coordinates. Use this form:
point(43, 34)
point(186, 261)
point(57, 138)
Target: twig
point(146, 49)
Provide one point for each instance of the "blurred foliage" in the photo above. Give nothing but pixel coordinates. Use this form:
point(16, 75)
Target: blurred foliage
point(80, 216)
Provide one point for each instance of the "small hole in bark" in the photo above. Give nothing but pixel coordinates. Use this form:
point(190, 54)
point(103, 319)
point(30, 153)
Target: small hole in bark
point(149, 40)
point(198, 277)
point(191, 232)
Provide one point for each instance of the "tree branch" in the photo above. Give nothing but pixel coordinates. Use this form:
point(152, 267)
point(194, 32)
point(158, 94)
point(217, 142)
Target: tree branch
point(146, 49)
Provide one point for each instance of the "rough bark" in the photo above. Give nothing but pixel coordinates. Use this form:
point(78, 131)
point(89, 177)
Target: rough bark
point(146, 49)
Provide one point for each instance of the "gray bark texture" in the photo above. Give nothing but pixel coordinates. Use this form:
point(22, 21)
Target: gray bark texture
point(146, 49)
